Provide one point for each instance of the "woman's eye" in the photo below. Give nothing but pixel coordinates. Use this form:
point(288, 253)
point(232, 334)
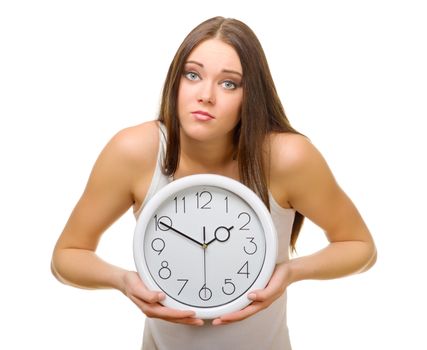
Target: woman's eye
point(229, 85)
point(192, 76)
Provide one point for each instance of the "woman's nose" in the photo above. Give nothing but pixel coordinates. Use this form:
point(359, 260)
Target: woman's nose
point(206, 93)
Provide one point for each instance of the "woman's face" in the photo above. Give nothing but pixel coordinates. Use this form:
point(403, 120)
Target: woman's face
point(210, 92)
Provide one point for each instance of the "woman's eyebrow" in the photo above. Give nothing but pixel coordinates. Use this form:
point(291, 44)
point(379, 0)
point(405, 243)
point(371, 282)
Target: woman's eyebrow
point(224, 70)
point(195, 62)
point(232, 72)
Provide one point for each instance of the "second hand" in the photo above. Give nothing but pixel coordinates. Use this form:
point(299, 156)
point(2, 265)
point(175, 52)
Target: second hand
point(204, 255)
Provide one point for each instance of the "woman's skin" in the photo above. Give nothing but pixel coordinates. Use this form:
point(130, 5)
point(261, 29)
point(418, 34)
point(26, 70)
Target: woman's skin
point(209, 102)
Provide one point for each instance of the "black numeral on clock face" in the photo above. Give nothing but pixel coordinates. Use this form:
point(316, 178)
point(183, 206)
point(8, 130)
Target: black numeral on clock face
point(166, 219)
point(179, 204)
point(251, 247)
point(165, 272)
point(205, 293)
point(158, 245)
point(228, 288)
point(246, 218)
point(185, 283)
point(244, 270)
point(204, 198)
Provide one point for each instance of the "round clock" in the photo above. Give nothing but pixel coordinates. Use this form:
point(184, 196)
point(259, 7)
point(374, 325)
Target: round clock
point(205, 241)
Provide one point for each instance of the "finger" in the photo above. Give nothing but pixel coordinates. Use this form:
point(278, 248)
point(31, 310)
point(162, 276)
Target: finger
point(262, 295)
point(157, 310)
point(148, 296)
point(273, 290)
point(138, 290)
point(151, 297)
point(239, 315)
point(188, 321)
point(171, 314)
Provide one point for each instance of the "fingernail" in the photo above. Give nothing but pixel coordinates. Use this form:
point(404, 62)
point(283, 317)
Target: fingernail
point(200, 323)
point(252, 296)
point(216, 322)
point(161, 296)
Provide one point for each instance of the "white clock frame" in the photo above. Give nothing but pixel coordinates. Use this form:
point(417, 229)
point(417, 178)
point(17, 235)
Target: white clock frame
point(228, 184)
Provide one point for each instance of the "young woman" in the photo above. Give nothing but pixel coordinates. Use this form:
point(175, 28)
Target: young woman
point(220, 114)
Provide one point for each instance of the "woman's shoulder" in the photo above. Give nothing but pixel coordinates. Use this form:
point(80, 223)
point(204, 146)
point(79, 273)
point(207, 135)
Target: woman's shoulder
point(136, 135)
point(136, 143)
point(296, 167)
point(131, 152)
point(290, 152)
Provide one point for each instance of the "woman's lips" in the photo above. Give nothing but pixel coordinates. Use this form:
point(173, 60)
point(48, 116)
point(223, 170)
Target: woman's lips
point(202, 115)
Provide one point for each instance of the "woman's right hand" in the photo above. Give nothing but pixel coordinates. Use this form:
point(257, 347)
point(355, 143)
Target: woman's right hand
point(149, 302)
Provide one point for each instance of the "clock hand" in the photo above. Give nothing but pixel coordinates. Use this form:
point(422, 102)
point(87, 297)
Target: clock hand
point(182, 234)
point(204, 253)
point(216, 237)
point(204, 293)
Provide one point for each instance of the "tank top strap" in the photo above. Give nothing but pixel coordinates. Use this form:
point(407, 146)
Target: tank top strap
point(159, 179)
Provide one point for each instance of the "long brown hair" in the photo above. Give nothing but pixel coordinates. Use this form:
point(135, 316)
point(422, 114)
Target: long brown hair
point(261, 111)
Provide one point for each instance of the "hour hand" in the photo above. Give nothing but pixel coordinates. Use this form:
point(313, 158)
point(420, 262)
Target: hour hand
point(180, 233)
point(222, 234)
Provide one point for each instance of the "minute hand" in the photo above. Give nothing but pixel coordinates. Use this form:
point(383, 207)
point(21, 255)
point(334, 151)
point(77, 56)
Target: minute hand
point(182, 234)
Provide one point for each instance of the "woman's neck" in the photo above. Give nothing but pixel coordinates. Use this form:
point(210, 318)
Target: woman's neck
point(207, 157)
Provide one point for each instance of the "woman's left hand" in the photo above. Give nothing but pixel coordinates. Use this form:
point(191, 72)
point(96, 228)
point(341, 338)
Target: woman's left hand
point(261, 299)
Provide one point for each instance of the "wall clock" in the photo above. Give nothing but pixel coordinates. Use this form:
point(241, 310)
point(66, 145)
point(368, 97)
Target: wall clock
point(206, 241)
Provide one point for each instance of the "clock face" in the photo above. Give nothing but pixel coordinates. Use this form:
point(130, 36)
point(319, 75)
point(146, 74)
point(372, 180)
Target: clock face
point(204, 246)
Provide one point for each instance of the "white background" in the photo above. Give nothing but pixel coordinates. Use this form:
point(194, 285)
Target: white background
point(352, 76)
